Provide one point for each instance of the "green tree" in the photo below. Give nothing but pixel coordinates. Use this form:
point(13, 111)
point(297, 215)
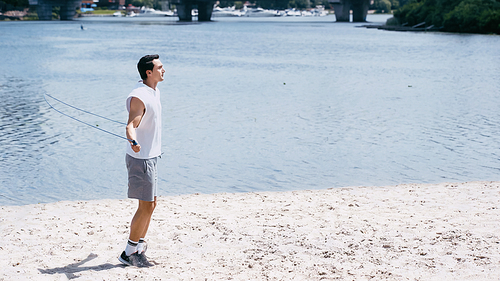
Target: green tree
point(381, 6)
point(238, 5)
point(474, 16)
point(298, 4)
point(146, 3)
point(478, 16)
point(224, 4)
point(384, 6)
point(7, 5)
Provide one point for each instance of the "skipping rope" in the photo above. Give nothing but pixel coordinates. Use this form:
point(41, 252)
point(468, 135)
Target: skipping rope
point(45, 95)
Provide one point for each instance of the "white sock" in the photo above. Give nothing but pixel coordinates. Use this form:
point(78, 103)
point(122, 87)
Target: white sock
point(131, 247)
point(140, 246)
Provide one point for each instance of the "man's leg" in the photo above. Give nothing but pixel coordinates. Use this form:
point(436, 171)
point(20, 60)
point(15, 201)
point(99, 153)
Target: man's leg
point(147, 224)
point(141, 247)
point(140, 223)
point(139, 187)
point(138, 227)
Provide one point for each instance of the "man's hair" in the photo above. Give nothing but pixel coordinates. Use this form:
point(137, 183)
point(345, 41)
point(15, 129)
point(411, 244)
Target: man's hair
point(145, 64)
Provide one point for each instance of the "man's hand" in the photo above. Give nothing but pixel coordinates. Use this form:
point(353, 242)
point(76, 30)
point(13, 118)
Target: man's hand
point(136, 148)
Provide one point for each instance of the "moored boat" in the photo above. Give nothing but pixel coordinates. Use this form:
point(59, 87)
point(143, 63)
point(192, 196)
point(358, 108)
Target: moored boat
point(259, 12)
point(149, 12)
point(226, 12)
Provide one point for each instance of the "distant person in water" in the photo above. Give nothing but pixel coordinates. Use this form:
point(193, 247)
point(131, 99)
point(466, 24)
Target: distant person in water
point(144, 132)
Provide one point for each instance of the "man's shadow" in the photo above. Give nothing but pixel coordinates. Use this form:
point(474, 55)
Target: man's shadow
point(70, 269)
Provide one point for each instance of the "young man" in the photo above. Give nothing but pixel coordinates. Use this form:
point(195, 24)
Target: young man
point(144, 131)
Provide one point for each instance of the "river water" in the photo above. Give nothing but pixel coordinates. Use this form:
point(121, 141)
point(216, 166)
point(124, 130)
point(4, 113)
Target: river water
point(248, 105)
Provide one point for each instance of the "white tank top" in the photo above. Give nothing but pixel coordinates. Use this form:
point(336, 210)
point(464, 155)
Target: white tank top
point(149, 130)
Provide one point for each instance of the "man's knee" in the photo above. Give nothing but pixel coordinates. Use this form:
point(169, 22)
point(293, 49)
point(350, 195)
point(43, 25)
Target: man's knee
point(154, 204)
point(147, 206)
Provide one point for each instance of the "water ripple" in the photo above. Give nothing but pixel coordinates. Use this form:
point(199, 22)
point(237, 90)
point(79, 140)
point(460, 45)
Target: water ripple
point(248, 106)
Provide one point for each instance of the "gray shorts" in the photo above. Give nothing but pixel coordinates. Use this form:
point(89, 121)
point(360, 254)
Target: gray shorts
point(142, 178)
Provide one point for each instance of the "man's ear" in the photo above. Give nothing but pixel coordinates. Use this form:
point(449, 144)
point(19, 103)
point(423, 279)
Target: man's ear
point(149, 72)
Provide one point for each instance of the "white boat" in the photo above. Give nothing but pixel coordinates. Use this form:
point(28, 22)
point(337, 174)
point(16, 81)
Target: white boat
point(226, 12)
point(306, 13)
point(149, 12)
point(319, 11)
point(117, 14)
point(293, 13)
point(281, 13)
point(259, 12)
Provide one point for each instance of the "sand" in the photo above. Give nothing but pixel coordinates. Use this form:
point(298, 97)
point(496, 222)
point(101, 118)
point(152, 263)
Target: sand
point(448, 231)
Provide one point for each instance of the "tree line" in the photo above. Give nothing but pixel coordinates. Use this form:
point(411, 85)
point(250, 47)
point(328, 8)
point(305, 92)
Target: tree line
point(9, 5)
point(468, 16)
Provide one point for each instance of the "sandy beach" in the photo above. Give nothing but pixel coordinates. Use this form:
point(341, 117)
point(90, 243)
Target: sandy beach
point(448, 231)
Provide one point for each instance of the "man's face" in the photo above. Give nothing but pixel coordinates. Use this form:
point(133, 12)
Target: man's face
point(157, 72)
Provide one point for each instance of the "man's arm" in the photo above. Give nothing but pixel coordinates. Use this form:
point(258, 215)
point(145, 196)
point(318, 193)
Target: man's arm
point(137, 110)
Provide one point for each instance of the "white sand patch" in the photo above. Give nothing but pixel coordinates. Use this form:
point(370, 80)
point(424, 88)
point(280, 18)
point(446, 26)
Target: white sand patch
point(405, 232)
